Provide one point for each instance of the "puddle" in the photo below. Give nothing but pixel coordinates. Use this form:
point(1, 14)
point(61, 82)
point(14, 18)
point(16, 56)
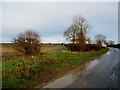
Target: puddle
point(72, 76)
point(108, 53)
point(91, 64)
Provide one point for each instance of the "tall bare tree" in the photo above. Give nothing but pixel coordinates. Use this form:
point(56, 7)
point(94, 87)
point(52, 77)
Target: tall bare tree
point(111, 42)
point(76, 33)
point(70, 33)
point(27, 42)
point(100, 38)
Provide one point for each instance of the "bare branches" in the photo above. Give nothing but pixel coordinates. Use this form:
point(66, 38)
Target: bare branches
point(76, 33)
point(27, 42)
point(100, 38)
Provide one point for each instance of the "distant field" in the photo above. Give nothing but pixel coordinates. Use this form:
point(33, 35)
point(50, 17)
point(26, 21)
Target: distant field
point(8, 49)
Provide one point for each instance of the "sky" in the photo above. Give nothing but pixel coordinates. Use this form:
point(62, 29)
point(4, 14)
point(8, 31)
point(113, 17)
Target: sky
point(51, 19)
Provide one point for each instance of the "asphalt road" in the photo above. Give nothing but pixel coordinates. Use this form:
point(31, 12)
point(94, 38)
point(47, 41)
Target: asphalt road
point(98, 73)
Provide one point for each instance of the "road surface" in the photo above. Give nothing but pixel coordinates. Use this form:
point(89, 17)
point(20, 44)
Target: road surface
point(98, 73)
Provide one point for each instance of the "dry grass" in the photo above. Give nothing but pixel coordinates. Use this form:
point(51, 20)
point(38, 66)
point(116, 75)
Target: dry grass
point(50, 47)
point(8, 49)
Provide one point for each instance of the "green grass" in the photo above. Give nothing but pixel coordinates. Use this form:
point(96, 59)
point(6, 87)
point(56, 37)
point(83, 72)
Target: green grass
point(30, 71)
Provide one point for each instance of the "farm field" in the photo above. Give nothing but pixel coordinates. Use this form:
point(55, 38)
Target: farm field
point(22, 71)
point(8, 49)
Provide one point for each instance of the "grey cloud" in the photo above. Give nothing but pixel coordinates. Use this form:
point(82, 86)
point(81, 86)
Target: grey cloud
point(44, 17)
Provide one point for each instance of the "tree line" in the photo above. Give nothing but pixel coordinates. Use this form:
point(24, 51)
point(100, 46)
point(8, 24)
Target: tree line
point(29, 42)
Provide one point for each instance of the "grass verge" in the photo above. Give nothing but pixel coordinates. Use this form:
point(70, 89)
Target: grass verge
point(32, 71)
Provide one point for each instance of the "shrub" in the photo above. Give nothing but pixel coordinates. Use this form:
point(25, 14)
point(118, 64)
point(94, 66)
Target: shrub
point(83, 47)
point(116, 46)
point(75, 47)
point(93, 47)
point(27, 42)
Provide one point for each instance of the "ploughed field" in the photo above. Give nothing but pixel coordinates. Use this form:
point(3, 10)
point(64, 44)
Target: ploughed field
point(28, 71)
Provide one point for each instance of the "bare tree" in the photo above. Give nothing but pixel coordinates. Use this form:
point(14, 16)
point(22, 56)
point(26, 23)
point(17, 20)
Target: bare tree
point(70, 33)
point(111, 42)
point(76, 33)
point(100, 38)
point(27, 42)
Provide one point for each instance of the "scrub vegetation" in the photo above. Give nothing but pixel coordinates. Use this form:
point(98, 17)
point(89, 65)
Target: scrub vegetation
point(29, 71)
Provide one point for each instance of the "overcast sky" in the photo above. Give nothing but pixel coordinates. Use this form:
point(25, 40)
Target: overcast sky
point(50, 19)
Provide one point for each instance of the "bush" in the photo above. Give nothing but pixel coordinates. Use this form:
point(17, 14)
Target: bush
point(93, 47)
point(72, 47)
point(84, 47)
point(115, 46)
point(75, 47)
point(27, 42)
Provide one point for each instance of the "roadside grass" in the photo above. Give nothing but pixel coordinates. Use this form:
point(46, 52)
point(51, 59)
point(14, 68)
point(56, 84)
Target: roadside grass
point(32, 71)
